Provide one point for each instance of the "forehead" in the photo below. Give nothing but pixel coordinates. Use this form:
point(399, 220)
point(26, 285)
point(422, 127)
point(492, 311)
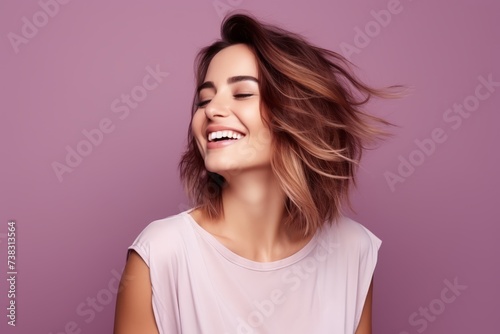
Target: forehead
point(232, 61)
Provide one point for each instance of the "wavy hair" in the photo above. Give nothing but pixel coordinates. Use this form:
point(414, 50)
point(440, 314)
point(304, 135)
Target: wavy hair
point(313, 109)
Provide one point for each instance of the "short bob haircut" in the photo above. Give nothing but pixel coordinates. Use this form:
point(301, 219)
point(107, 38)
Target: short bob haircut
point(312, 107)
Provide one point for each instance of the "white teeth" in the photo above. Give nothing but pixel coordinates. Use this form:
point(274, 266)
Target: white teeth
point(224, 133)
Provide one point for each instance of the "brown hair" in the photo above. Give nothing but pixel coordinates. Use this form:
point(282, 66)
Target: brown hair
point(318, 131)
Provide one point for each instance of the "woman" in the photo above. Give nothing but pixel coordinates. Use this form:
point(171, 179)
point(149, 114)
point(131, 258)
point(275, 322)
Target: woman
point(275, 136)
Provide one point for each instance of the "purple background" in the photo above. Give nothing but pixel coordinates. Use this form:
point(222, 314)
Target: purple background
point(439, 225)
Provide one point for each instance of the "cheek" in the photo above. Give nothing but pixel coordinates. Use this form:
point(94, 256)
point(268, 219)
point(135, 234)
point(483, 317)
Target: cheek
point(197, 123)
point(257, 128)
point(196, 128)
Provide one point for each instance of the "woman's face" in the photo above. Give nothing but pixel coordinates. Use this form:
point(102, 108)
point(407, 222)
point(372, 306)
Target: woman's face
point(229, 106)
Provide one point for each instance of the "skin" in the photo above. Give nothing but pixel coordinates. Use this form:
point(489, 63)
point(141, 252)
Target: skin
point(253, 199)
point(134, 310)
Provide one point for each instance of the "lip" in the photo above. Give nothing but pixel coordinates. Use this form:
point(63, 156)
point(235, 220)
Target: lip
point(220, 144)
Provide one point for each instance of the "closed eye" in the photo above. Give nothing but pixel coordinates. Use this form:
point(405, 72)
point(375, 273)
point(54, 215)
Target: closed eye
point(201, 104)
point(242, 96)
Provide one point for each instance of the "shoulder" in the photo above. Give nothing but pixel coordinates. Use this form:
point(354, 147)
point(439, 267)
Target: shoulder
point(351, 236)
point(163, 238)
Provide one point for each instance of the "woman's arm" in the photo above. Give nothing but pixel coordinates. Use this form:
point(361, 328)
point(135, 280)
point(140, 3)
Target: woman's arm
point(365, 323)
point(134, 311)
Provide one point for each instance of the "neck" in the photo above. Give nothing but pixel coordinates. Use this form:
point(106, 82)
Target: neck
point(254, 208)
point(257, 202)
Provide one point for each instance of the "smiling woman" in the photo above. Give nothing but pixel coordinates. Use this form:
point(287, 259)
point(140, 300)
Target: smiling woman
point(229, 100)
point(275, 137)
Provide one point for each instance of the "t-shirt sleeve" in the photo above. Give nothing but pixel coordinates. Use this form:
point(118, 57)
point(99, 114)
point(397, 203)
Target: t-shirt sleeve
point(369, 245)
point(142, 245)
point(158, 245)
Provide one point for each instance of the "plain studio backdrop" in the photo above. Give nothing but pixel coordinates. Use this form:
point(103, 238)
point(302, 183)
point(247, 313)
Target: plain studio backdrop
point(95, 109)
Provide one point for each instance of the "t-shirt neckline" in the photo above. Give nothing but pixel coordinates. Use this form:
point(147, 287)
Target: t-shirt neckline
point(247, 263)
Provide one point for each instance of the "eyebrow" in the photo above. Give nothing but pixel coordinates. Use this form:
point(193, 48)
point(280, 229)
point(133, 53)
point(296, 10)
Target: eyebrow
point(231, 80)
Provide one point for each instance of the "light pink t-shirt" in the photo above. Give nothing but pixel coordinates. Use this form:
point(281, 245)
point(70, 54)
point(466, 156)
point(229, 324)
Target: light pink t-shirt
point(201, 287)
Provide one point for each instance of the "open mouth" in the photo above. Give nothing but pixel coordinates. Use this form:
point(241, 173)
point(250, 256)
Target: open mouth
point(226, 135)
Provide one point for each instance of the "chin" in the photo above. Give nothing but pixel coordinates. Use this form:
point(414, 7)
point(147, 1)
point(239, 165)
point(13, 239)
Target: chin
point(216, 167)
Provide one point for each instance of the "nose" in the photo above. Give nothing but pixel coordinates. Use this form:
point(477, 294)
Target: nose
point(216, 108)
